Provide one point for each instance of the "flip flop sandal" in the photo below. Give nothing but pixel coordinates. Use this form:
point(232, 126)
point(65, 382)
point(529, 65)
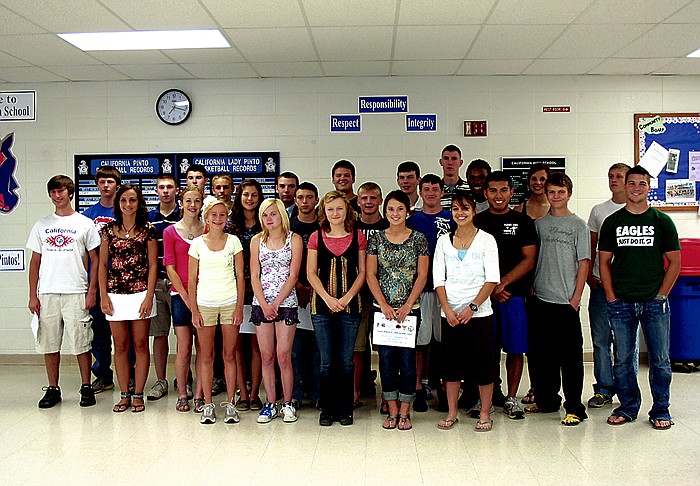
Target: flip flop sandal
point(182, 405)
point(484, 426)
point(447, 424)
point(405, 422)
point(135, 407)
point(529, 398)
point(656, 426)
point(121, 407)
point(624, 420)
point(384, 408)
point(390, 423)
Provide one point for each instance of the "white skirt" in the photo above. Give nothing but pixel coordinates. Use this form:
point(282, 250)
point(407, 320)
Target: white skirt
point(126, 306)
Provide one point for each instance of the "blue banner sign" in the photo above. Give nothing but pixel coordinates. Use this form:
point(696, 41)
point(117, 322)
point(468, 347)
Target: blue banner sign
point(421, 123)
point(346, 123)
point(383, 104)
point(232, 165)
point(127, 166)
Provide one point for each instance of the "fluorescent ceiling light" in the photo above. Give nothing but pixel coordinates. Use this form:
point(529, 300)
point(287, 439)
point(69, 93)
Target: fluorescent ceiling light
point(146, 40)
point(694, 53)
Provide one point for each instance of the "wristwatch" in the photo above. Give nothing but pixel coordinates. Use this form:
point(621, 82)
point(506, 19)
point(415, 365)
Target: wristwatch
point(473, 306)
point(661, 298)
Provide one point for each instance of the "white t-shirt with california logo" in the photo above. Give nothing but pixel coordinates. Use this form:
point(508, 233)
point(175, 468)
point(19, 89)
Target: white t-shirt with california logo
point(63, 242)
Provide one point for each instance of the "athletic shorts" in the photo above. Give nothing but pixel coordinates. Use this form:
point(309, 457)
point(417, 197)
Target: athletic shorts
point(510, 325)
point(366, 317)
point(429, 318)
point(160, 324)
point(63, 319)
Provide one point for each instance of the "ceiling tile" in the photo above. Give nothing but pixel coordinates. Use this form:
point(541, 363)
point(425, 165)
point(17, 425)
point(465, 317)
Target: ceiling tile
point(601, 41)
point(513, 41)
point(153, 71)
point(88, 73)
point(45, 49)
point(161, 14)
point(686, 15)
point(443, 12)
point(438, 42)
point(493, 66)
point(10, 61)
point(355, 68)
point(200, 56)
point(288, 69)
point(353, 43)
point(131, 57)
point(271, 45)
point(655, 43)
point(29, 75)
point(252, 14)
point(424, 68)
point(679, 66)
point(11, 23)
point(629, 11)
point(558, 67)
point(221, 71)
point(67, 16)
point(356, 12)
point(537, 11)
point(629, 66)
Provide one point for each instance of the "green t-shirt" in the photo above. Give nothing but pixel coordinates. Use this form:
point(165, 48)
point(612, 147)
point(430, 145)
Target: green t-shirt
point(638, 243)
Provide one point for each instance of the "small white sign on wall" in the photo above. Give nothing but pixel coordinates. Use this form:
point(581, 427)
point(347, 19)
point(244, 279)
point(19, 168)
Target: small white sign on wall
point(17, 105)
point(12, 260)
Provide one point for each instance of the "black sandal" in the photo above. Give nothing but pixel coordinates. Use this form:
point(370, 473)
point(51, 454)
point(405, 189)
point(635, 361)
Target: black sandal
point(135, 407)
point(121, 407)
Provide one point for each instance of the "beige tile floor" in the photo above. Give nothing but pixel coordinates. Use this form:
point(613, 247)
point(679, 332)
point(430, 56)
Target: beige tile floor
point(94, 446)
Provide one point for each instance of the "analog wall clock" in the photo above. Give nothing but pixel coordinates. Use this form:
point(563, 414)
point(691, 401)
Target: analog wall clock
point(173, 106)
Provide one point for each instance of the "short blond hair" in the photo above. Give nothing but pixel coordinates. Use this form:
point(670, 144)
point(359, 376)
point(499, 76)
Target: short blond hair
point(210, 206)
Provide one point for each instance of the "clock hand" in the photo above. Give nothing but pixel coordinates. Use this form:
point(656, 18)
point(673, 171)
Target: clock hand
point(171, 110)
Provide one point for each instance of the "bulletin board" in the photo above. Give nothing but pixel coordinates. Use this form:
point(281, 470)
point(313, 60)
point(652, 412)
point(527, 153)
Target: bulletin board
point(144, 169)
point(680, 131)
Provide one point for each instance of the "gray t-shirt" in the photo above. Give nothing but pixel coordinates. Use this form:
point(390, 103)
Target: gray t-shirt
point(564, 241)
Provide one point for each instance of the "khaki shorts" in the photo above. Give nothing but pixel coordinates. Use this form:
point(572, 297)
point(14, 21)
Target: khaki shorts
point(63, 319)
point(212, 315)
point(367, 317)
point(160, 323)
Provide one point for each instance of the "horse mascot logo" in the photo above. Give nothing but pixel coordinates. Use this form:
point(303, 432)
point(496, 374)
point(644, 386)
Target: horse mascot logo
point(9, 197)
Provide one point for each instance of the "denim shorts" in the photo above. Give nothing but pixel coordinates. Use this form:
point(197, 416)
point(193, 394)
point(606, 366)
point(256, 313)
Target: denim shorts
point(181, 314)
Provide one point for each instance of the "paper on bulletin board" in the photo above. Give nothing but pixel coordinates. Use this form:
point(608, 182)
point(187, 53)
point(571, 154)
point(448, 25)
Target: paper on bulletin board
point(654, 159)
point(393, 333)
point(680, 191)
point(694, 165)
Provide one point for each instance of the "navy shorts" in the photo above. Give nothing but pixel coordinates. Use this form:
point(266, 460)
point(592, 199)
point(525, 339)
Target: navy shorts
point(510, 321)
point(181, 314)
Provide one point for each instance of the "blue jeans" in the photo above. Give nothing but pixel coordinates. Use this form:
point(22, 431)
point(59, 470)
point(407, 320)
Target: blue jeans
point(101, 345)
point(305, 362)
point(397, 369)
point(654, 317)
point(335, 336)
point(601, 335)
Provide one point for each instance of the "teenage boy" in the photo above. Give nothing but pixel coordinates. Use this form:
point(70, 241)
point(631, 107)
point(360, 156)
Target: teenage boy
point(59, 292)
point(305, 356)
point(108, 180)
point(433, 221)
point(369, 196)
point(556, 339)
point(343, 177)
point(517, 251)
point(408, 178)
point(286, 187)
point(198, 176)
point(601, 332)
point(451, 161)
point(477, 172)
point(634, 242)
point(166, 213)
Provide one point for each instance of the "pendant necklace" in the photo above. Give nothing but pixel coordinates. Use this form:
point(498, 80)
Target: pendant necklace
point(126, 231)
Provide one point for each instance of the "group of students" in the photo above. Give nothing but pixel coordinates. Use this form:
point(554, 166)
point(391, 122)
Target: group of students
point(302, 277)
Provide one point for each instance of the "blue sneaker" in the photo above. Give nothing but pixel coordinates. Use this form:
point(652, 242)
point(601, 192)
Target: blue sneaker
point(268, 412)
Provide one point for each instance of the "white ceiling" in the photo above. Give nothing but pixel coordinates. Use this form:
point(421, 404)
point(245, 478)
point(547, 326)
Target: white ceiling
point(301, 38)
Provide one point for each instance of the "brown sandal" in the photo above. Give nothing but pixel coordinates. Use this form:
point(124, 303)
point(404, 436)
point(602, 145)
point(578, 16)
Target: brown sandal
point(122, 405)
point(405, 422)
point(182, 405)
point(390, 423)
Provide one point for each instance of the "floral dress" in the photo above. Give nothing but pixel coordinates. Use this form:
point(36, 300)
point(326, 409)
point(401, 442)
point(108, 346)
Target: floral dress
point(128, 259)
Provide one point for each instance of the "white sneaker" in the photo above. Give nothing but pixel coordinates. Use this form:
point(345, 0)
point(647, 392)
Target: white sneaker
point(513, 409)
point(208, 414)
point(289, 413)
point(268, 412)
point(159, 390)
point(231, 416)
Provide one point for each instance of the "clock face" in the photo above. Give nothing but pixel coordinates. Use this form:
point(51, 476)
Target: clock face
point(173, 107)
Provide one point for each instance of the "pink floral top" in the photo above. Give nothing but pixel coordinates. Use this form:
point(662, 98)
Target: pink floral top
point(128, 259)
point(274, 272)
